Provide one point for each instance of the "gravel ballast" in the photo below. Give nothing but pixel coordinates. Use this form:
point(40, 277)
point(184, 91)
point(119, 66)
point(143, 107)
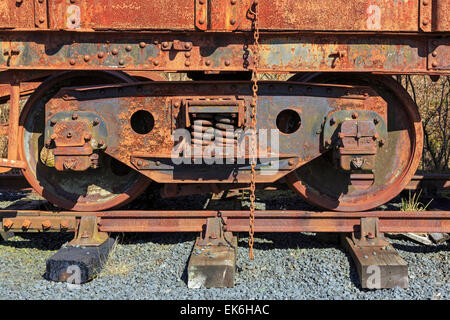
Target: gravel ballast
point(153, 266)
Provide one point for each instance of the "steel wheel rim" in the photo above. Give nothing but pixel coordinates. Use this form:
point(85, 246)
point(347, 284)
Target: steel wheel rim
point(315, 196)
point(30, 173)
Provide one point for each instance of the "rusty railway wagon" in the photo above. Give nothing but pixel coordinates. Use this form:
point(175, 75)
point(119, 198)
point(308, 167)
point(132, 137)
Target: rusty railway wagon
point(92, 120)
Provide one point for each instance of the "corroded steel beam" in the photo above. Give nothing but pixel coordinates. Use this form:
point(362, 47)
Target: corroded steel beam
point(279, 52)
point(226, 15)
point(237, 221)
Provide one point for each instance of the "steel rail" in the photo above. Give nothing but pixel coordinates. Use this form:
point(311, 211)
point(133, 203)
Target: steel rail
point(235, 221)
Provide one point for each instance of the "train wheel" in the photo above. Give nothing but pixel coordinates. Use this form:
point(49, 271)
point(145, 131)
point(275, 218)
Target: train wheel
point(321, 184)
point(111, 185)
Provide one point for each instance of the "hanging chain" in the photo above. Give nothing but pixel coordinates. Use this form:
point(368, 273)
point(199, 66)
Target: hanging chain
point(253, 122)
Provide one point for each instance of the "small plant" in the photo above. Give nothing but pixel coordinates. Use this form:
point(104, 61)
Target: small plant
point(413, 203)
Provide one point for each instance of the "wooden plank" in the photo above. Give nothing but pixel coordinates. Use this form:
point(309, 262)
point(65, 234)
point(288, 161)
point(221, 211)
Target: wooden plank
point(212, 266)
point(378, 267)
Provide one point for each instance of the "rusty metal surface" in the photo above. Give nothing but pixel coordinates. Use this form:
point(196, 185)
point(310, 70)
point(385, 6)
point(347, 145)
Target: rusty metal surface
point(288, 52)
point(396, 162)
point(237, 221)
point(218, 15)
point(91, 190)
point(151, 153)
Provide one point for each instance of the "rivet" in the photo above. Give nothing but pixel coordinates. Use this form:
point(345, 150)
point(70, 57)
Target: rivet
point(72, 61)
point(41, 19)
point(69, 135)
point(208, 62)
point(425, 22)
point(227, 62)
point(233, 2)
point(157, 163)
point(165, 44)
point(100, 55)
point(72, 1)
point(52, 122)
point(201, 1)
point(140, 163)
point(156, 62)
point(434, 64)
point(96, 121)
point(142, 44)
point(291, 162)
point(128, 48)
point(7, 223)
point(188, 45)
point(100, 143)
point(121, 62)
point(114, 51)
point(187, 54)
point(19, 1)
point(434, 53)
point(74, 116)
point(375, 121)
point(26, 224)
point(87, 136)
point(64, 224)
point(425, 2)
point(201, 21)
point(46, 224)
point(187, 63)
point(232, 21)
point(40, 1)
point(354, 115)
point(86, 58)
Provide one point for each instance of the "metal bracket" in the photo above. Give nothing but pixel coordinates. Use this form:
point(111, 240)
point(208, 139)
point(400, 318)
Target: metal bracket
point(217, 15)
point(87, 233)
point(214, 234)
point(426, 14)
point(369, 234)
point(439, 54)
point(40, 14)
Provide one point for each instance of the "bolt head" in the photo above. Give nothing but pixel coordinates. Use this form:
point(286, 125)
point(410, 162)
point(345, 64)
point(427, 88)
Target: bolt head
point(7, 224)
point(46, 224)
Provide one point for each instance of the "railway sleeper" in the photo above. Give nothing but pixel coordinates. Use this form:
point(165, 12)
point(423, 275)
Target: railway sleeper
point(213, 259)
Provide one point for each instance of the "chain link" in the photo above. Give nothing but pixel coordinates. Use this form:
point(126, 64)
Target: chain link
point(253, 123)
